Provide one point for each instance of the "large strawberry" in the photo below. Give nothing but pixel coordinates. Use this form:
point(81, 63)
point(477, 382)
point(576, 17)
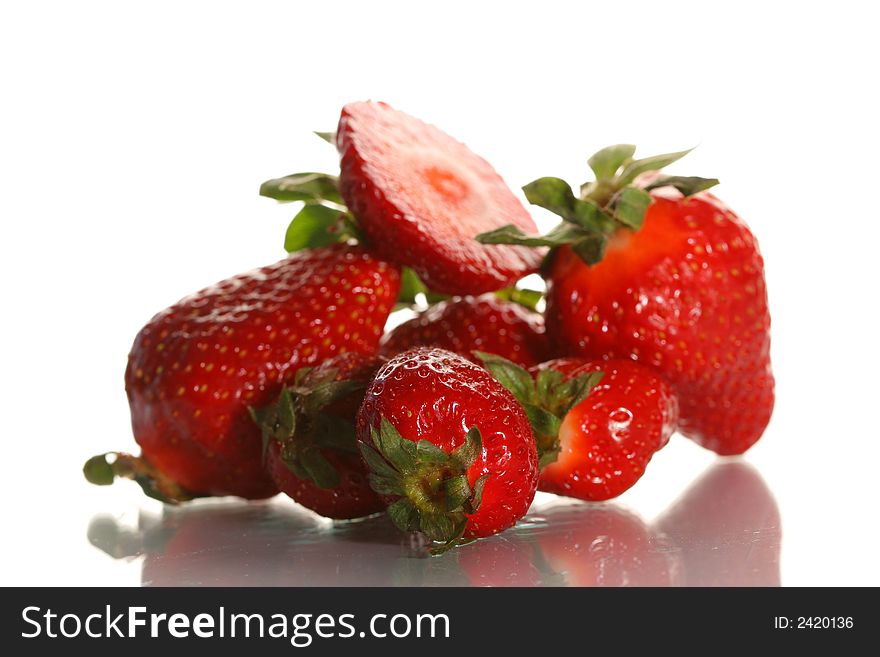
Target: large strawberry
point(197, 367)
point(448, 446)
point(421, 197)
point(596, 423)
point(311, 450)
point(656, 270)
point(469, 324)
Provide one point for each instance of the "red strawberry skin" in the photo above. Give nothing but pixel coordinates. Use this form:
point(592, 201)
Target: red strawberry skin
point(196, 367)
point(685, 294)
point(436, 395)
point(607, 440)
point(468, 324)
point(353, 497)
point(421, 197)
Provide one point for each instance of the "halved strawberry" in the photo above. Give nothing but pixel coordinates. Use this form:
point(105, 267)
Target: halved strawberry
point(421, 197)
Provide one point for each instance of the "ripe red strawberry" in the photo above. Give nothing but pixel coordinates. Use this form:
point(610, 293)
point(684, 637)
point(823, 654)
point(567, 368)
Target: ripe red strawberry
point(448, 446)
point(421, 197)
point(468, 324)
point(680, 286)
point(312, 453)
point(597, 423)
point(196, 367)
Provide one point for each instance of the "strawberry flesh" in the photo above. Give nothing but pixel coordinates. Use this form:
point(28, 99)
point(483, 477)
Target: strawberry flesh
point(421, 197)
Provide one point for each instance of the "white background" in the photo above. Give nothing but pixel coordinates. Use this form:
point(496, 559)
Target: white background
point(134, 135)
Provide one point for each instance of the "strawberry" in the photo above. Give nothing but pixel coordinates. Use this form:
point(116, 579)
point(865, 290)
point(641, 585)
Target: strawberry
point(469, 324)
point(597, 423)
point(421, 197)
point(196, 367)
point(448, 446)
point(659, 271)
point(312, 454)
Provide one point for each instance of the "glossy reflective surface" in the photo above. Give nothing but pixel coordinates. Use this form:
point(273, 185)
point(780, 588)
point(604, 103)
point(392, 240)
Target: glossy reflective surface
point(724, 530)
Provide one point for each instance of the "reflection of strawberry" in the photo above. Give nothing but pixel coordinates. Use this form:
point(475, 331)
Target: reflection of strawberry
point(727, 528)
point(601, 545)
point(469, 324)
point(448, 445)
point(312, 452)
point(673, 281)
point(597, 423)
point(196, 367)
point(421, 197)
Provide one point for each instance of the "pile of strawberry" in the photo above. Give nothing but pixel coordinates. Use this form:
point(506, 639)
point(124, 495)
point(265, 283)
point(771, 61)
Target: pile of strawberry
point(283, 379)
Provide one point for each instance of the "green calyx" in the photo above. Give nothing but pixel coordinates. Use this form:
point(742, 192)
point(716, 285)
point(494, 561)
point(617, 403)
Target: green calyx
point(432, 487)
point(104, 469)
point(611, 202)
point(546, 398)
point(296, 422)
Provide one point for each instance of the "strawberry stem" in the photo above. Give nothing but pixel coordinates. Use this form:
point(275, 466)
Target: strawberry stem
point(103, 469)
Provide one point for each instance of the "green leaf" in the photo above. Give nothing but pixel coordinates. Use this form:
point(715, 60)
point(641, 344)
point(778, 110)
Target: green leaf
point(98, 471)
point(544, 423)
point(375, 462)
point(324, 394)
point(579, 389)
point(552, 194)
point(513, 377)
point(296, 467)
point(391, 446)
point(654, 163)
point(546, 383)
point(428, 452)
point(477, 497)
point(548, 456)
point(590, 248)
point(307, 186)
point(467, 453)
point(523, 297)
point(606, 162)
point(510, 234)
point(319, 468)
point(457, 491)
point(333, 432)
point(385, 485)
point(313, 226)
point(687, 185)
point(631, 205)
point(440, 527)
point(590, 216)
point(329, 137)
point(404, 514)
point(286, 417)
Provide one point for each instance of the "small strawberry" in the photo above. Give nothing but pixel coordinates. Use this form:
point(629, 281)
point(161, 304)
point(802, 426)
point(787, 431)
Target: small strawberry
point(448, 446)
point(312, 453)
point(196, 367)
point(659, 271)
point(469, 324)
point(421, 197)
point(597, 423)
